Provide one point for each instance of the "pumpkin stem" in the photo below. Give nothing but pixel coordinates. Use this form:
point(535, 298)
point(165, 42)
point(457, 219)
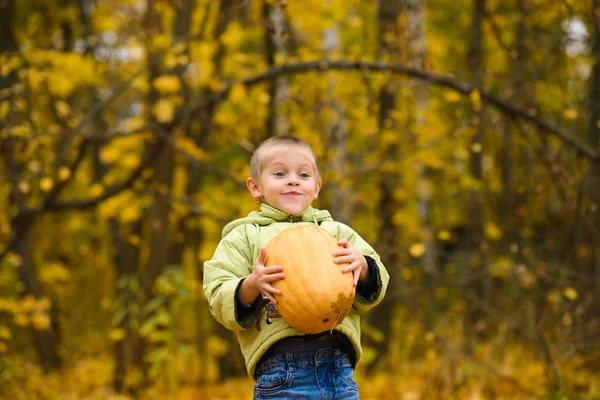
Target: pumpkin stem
point(335, 322)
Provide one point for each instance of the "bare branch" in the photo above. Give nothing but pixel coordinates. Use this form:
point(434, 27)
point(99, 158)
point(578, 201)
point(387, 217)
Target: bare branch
point(444, 81)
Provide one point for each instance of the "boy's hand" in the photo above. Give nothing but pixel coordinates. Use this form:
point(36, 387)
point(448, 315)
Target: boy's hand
point(260, 280)
point(358, 263)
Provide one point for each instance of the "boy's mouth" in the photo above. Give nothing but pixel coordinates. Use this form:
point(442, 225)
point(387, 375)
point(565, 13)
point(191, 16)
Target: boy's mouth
point(292, 194)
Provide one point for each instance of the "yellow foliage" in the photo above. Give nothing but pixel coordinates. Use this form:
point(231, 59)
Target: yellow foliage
point(492, 231)
point(55, 272)
point(237, 92)
point(5, 332)
point(444, 235)
point(234, 35)
point(40, 321)
point(46, 183)
point(216, 346)
point(570, 113)
point(501, 268)
point(131, 124)
point(553, 296)
point(64, 173)
point(130, 213)
point(167, 84)
point(14, 259)
point(570, 293)
point(4, 108)
point(416, 250)
point(164, 111)
point(63, 109)
point(21, 319)
point(452, 96)
point(475, 97)
point(188, 146)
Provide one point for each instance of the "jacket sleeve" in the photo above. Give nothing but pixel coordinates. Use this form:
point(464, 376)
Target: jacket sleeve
point(230, 264)
point(362, 303)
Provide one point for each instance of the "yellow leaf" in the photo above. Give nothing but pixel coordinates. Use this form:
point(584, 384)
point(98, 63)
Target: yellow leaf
point(64, 173)
point(452, 97)
point(96, 190)
point(553, 296)
point(14, 259)
point(23, 186)
point(164, 111)
point(109, 154)
point(59, 84)
point(46, 183)
point(3, 347)
point(237, 92)
point(188, 146)
point(135, 240)
point(116, 335)
point(132, 124)
point(416, 250)
point(215, 346)
point(4, 107)
point(501, 268)
point(130, 213)
point(5, 332)
point(444, 235)
point(167, 84)
point(492, 231)
point(62, 108)
point(234, 35)
point(475, 97)
point(476, 148)
point(129, 161)
point(570, 113)
point(55, 273)
point(21, 319)
point(570, 293)
point(40, 321)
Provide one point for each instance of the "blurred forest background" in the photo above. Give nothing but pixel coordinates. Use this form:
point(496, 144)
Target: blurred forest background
point(461, 138)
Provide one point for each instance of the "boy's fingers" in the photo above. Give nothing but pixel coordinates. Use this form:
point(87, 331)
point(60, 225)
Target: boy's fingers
point(262, 256)
point(275, 277)
point(356, 276)
point(273, 269)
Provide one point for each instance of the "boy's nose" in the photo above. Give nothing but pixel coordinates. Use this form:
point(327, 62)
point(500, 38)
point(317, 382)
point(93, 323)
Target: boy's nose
point(293, 182)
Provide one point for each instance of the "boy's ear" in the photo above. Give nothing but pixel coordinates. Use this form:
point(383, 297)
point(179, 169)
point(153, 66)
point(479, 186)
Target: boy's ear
point(319, 183)
point(253, 188)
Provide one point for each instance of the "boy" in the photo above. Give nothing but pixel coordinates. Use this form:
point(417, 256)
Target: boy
point(284, 362)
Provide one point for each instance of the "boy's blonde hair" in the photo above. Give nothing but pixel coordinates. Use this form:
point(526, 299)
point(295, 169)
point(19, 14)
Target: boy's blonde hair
point(267, 149)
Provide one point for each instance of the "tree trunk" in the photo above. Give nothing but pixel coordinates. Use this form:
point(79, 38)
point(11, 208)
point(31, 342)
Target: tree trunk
point(389, 205)
point(276, 28)
point(515, 87)
point(45, 341)
point(590, 276)
point(126, 259)
point(474, 233)
point(336, 139)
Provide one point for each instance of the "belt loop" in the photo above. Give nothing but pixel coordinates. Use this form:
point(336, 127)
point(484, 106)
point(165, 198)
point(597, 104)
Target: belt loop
point(336, 360)
point(290, 362)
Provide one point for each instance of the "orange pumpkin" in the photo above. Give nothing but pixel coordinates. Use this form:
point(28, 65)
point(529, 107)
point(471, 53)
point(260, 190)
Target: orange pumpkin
point(316, 295)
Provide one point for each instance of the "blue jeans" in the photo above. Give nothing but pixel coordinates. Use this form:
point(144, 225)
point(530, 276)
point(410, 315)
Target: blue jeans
point(320, 375)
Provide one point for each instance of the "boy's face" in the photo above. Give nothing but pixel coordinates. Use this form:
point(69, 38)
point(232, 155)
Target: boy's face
point(288, 181)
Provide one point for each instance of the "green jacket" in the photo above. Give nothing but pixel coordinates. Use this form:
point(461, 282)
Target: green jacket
point(234, 259)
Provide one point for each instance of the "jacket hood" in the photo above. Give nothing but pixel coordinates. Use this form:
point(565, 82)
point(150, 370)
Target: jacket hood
point(268, 215)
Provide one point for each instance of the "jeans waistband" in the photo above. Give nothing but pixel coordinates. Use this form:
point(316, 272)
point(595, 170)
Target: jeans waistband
point(310, 343)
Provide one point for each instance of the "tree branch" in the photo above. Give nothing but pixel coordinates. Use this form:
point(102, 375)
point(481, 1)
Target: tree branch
point(24, 220)
point(444, 81)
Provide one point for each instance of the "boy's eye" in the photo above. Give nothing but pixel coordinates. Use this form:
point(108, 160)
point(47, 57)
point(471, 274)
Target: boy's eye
point(279, 174)
point(304, 175)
